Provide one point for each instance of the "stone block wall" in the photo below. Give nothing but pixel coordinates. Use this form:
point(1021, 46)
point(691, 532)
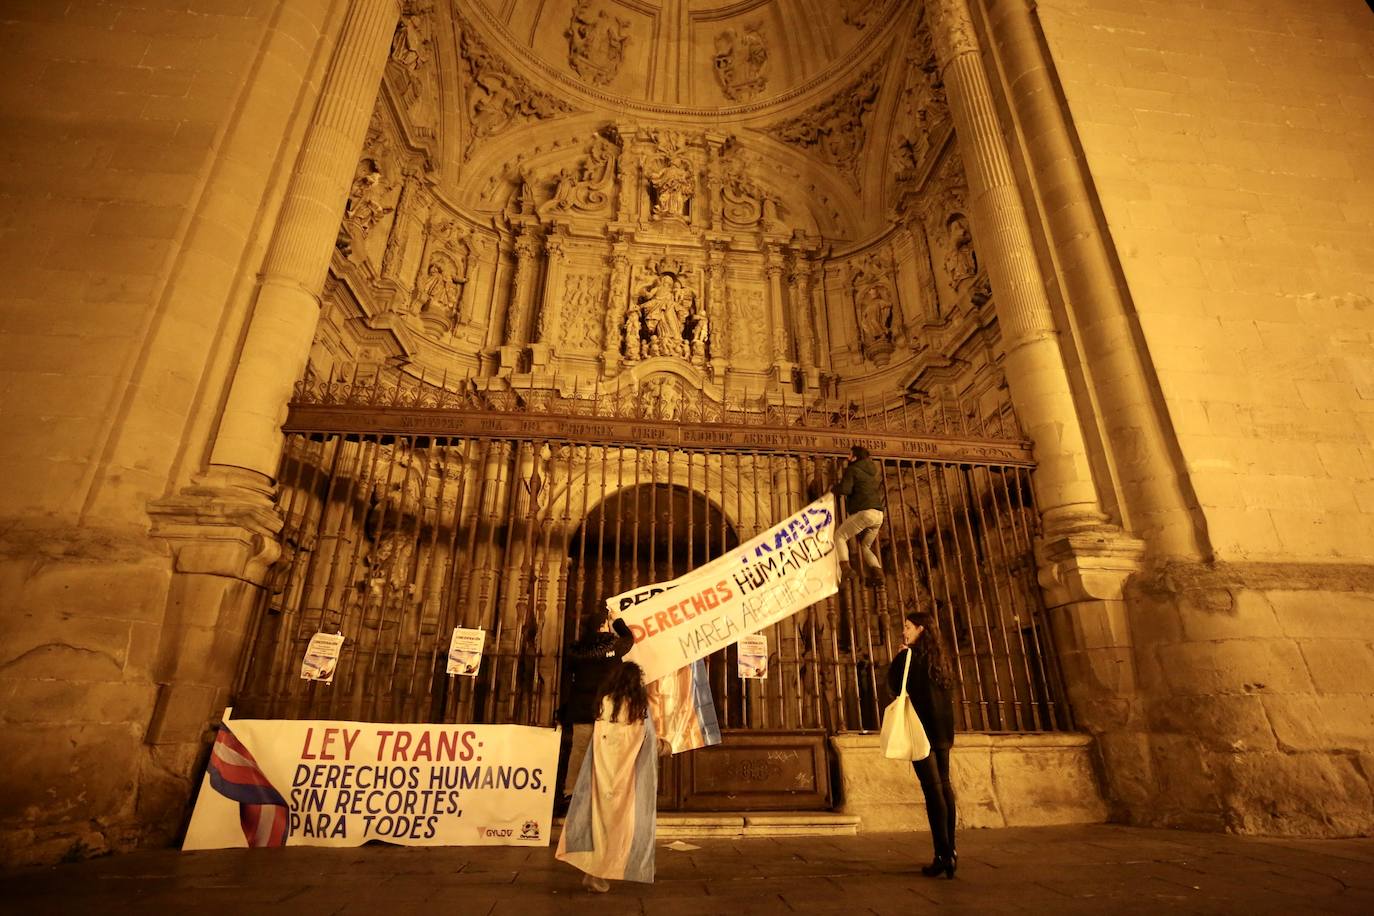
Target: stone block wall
point(1228, 143)
point(144, 142)
point(999, 781)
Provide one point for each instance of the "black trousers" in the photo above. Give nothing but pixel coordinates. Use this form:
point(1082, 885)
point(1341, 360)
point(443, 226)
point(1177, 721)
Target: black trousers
point(933, 772)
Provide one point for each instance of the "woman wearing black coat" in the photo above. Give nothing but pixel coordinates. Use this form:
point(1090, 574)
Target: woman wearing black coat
point(931, 688)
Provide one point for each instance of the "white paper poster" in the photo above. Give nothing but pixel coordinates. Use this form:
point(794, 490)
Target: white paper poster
point(318, 783)
point(465, 651)
point(322, 657)
point(753, 656)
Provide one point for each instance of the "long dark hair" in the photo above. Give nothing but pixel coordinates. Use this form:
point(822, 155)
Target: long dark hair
point(624, 687)
point(930, 650)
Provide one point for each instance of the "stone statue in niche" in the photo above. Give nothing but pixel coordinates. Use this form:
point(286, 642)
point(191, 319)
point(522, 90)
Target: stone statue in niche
point(874, 309)
point(961, 260)
point(596, 43)
point(366, 205)
point(740, 62)
point(672, 178)
point(666, 318)
point(588, 189)
point(440, 291)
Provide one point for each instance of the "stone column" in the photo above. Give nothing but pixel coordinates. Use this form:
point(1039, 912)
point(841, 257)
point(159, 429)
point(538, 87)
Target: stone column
point(799, 288)
point(717, 309)
point(1035, 367)
point(782, 351)
point(550, 308)
point(521, 300)
point(287, 303)
point(616, 299)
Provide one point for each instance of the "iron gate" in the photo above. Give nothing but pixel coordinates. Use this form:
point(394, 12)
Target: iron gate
point(413, 508)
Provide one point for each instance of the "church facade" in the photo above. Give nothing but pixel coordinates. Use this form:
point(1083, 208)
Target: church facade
point(385, 317)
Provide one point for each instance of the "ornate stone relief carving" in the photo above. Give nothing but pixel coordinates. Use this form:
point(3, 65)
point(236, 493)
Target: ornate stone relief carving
point(590, 188)
point(497, 98)
point(858, 12)
point(741, 62)
point(874, 308)
point(667, 316)
point(368, 202)
point(745, 201)
point(836, 129)
point(923, 111)
point(671, 176)
point(584, 296)
point(596, 42)
point(748, 319)
point(412, 52)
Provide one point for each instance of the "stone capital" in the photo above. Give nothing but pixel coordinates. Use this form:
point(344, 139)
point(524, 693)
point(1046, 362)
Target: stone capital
point(1091, 563)
point(224, 524)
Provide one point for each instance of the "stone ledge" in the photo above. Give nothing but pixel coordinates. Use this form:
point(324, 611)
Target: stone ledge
point(1000, 780)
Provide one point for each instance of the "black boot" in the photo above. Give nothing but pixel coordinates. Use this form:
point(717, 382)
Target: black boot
point(941, 865)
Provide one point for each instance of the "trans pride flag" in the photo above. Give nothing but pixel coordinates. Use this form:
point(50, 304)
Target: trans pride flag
point(263, 813)
point(683, 710)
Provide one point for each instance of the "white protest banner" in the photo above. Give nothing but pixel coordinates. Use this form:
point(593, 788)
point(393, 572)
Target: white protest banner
point(774, 574)
point(465, 651)
point(315, 783)
point(752, 658)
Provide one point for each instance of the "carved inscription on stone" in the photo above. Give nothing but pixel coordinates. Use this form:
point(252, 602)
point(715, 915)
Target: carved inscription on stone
point(596, 42)
point(741, 62)
point(836, 129)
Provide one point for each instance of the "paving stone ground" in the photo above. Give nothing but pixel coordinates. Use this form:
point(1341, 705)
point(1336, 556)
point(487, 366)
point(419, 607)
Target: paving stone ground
point(1096, 869)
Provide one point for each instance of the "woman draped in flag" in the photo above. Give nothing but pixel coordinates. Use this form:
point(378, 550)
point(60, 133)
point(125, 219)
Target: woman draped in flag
point(609, 831)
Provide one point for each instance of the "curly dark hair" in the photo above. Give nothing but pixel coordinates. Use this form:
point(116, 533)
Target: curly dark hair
point(930, 649)
point(624, 687)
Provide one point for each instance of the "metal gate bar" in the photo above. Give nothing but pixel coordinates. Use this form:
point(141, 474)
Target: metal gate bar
point(411, 510)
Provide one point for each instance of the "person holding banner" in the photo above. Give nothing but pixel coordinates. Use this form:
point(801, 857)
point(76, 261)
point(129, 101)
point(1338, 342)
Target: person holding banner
point(610, 829)
point(590, 661)
point(861, 485)
point(930, 684)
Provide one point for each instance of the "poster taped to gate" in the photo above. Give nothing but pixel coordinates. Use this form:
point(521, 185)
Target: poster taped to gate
point(771, 576)
point(752, 657)
point(327, 783)
point(322, 657)
point(465, 651)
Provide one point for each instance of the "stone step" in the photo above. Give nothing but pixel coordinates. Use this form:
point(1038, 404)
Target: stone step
point(672, 824)
point(675, 825)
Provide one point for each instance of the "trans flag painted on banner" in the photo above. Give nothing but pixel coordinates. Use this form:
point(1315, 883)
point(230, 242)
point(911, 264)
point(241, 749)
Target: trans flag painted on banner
point(263, 813)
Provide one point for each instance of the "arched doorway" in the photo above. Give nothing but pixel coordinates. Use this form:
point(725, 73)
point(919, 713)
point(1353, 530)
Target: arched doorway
point(647, 533)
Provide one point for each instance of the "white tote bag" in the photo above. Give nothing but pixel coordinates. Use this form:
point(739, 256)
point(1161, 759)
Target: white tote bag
point(902, 737)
